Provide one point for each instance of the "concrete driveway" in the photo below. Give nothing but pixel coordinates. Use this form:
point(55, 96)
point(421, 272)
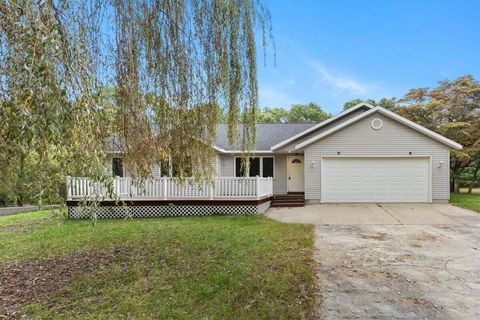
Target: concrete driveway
point(374, 213)
point(394, 261)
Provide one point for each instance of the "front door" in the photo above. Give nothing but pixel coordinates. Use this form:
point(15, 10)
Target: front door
point(295, 172)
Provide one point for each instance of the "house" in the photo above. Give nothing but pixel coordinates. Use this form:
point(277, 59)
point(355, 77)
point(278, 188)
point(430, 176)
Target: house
point(364, 154)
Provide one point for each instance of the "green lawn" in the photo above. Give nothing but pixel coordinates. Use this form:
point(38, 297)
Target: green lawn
point(469, 201)
point(221, 267)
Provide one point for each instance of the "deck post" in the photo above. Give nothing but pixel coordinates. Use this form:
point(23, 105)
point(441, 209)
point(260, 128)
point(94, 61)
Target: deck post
point(257, 187)
point(270, 186)
point(164, 181)
point(212, 186)
point(69, 188)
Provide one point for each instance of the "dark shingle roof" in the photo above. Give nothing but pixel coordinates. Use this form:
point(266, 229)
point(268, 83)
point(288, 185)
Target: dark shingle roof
point(267, 135)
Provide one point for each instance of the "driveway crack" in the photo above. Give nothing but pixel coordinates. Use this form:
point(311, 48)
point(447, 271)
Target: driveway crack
point(391, 215)
point(461, 279)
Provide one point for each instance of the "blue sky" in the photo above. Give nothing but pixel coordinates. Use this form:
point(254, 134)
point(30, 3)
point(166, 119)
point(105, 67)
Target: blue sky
point(329, 52)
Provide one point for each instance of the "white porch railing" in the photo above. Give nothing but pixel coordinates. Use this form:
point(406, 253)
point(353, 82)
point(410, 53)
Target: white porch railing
point(164, 188)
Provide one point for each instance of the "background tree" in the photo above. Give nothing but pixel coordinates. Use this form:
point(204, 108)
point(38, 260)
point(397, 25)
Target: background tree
point(387, 103)
point(311, 112)
point(453, 110)
point(57, 58)
point(298, 113)
point(349, 104)
point(272, 115)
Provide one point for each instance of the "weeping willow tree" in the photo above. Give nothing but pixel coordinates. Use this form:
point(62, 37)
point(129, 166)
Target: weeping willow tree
point(156, 74)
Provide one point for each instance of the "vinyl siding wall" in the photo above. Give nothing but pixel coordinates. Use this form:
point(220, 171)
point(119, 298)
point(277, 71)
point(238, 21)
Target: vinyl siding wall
point(392, 139)
point(291, 146)
point(227, 169)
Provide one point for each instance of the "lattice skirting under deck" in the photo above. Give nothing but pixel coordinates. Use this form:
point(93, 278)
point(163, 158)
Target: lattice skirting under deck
point(145, 211)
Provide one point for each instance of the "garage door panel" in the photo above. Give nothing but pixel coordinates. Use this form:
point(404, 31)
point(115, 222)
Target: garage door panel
point(375, 179)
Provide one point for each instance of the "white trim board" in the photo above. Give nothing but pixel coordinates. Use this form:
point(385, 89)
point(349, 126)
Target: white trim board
point(321, 124)
point(390, 115)
point(219, 149)
point(248, 151)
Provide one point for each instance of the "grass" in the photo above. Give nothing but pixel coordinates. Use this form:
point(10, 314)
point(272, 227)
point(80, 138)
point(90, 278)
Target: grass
point(222, 267)
point(464, 200)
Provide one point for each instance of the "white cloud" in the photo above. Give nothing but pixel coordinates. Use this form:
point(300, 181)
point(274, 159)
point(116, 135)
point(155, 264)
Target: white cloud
point(304, 79)
point(338, 82)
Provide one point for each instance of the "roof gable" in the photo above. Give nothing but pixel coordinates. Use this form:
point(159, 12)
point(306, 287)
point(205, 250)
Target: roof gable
point(389, 114)
point(320, 125)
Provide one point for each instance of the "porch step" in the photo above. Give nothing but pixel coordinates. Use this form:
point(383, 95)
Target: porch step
point(289, 200)
point(287, 204)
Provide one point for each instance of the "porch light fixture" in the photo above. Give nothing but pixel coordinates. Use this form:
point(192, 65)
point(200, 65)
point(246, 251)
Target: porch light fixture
point(313, 164)
point(440, 163)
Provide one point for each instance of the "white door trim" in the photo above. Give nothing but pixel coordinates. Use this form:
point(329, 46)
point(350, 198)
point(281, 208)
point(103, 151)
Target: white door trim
point(322, 181)
point(288, 173)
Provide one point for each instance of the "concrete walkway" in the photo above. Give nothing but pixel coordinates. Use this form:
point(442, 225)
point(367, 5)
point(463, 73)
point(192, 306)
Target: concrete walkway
point(374, 214)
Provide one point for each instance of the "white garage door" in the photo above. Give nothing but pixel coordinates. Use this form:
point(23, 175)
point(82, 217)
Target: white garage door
point(388, 179)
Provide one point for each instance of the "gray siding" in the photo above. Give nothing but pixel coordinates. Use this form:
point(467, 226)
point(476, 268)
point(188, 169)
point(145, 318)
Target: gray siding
point(393, 139)
point(280, 180)
point(156, 171)
point(226, 166)
point(218, 163)
point(348, 116)
point(226, 169)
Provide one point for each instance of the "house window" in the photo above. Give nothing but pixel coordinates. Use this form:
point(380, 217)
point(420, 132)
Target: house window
point(258, 166)
point(267, 169)
point(117, 167)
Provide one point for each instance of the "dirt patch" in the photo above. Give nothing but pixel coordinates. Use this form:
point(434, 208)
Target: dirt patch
point(29, 281)
point(381, 236)
point(413, 302)
point(424, 237)
point(363, 273)
point(418, 240)
point(319, 296)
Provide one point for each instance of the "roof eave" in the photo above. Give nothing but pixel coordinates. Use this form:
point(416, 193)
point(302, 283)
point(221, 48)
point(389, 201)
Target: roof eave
point(246, 151)
point(219, 149)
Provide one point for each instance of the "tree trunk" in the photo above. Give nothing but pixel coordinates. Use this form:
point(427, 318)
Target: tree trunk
point(456, 180)
point(40, 199)
point(474, 178)
point(456, 169)
point(456, 185)
point(20, 185)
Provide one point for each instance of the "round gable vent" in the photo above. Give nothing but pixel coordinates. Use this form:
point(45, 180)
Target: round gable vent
point(376, 124)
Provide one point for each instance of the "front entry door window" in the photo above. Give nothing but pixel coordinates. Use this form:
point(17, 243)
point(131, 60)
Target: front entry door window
point(296, 172)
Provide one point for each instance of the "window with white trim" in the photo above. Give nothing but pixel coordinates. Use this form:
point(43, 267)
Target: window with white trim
point(258, 166)
point(117, 167)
